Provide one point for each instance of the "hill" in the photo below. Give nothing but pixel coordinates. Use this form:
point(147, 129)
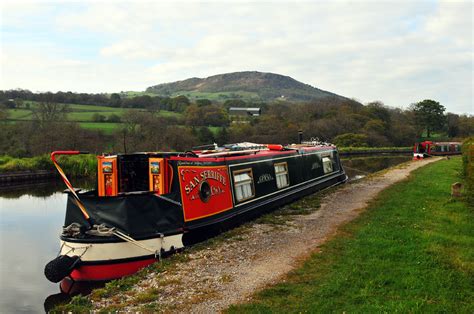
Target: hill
point(251, 85)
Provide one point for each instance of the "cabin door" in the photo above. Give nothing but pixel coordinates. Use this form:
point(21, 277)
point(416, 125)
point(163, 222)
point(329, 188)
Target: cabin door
point(157, 175)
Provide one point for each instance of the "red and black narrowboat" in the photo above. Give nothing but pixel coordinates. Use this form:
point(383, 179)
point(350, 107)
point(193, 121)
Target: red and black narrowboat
point(429, 148)
point(145, 203)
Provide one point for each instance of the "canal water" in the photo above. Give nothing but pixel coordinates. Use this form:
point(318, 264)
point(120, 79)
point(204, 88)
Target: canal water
point(30, 221)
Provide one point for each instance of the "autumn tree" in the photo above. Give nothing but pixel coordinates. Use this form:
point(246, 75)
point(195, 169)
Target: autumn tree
point(3, 113)
point(429, 114)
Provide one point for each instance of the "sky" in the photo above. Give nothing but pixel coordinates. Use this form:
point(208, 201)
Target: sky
point(397, 52)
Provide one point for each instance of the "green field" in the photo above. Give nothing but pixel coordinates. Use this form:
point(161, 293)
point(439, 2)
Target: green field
point(411, 251)
point(83, 114)
point(108, 128)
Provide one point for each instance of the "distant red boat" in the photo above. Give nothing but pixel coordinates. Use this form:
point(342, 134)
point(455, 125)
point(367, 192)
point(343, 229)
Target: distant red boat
point(429, 148)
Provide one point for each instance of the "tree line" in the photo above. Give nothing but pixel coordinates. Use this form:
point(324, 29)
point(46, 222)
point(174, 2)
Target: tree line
point(16, 97)
point(343, 122)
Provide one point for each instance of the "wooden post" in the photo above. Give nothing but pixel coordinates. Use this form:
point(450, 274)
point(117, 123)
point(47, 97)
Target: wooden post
point(456, 189)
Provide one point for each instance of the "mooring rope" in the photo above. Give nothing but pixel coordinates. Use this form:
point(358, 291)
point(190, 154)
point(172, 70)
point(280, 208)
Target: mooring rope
point(131, 240)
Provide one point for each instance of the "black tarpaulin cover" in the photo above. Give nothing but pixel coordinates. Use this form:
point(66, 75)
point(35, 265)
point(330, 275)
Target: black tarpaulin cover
point(140, 215)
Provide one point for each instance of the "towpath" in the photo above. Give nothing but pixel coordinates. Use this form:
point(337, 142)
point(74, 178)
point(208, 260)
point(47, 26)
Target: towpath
point(255, 255)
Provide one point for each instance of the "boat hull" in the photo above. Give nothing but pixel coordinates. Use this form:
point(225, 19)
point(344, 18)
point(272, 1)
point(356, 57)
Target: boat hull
point(114, 258)
point(205, 196)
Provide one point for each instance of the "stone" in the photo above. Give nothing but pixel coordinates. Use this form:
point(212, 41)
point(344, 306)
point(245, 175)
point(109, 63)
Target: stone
point(456, 189)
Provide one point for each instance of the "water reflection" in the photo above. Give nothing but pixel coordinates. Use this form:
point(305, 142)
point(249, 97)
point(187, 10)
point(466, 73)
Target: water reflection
point(43, 188)
point(29, 228)
point(30, 220)
point(69, 288)
point(359, 167)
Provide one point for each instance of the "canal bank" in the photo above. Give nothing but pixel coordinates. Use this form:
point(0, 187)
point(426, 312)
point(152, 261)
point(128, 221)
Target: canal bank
point(231, 267)
point(411, 250)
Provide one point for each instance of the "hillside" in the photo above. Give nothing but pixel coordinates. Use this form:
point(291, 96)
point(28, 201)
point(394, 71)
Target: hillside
point(246, 85)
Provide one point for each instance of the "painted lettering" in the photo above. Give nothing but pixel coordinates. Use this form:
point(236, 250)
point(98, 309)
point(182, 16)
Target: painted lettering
point(266, 177)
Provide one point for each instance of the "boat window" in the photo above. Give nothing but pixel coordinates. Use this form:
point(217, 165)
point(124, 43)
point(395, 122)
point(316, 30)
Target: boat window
point(281, 174)
point(327, 164)
point(243, 185)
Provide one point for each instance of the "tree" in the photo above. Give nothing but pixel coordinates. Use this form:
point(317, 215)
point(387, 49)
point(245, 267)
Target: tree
point(114, 118)
point(193, 115)
point(375, 125)
point(203, 102)
point(115, 100)
point(179, 103)
point(214, 115)
point(49, 112)
point(222, 136)
point(205, 135)
point(430, 115)
point(452, 124)
point(3, 113)
point(351, 140)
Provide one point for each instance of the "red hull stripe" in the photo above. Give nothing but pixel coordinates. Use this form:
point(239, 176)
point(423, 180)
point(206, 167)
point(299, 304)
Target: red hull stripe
point(109, 271)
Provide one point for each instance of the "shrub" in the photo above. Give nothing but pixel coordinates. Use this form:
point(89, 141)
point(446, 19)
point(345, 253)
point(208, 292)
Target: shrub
point(351, 139)
point(468, 168)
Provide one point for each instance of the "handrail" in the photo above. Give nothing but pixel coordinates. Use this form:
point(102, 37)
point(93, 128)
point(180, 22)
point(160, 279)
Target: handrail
point(68, 183)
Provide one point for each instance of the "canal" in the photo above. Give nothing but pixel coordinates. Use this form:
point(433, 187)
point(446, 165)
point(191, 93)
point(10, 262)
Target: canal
point(30, 220)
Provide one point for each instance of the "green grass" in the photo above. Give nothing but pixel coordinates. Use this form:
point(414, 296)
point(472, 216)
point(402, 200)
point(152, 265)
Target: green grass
point(80, 165)
point(215, 129)
point(19, 114)
point(84, 115)
point(412, 250)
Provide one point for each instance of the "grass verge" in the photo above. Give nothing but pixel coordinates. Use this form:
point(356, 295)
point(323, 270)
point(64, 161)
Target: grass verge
point(411, 251)
point(79, 166)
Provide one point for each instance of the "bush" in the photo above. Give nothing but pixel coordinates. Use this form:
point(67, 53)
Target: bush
point(114, 118)
point(468, 168)
point(350, 140)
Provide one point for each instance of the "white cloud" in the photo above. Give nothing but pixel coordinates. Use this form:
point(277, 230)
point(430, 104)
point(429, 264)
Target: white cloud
point(397, 52)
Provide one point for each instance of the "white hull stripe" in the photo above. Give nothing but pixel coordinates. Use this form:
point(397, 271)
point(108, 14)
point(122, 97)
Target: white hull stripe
point(120, 250)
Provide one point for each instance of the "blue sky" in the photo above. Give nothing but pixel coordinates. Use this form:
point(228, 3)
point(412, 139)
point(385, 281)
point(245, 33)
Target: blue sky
point(397, 52)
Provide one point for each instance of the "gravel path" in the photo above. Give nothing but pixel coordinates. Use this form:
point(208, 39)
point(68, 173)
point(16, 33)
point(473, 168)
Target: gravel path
point(257, 255)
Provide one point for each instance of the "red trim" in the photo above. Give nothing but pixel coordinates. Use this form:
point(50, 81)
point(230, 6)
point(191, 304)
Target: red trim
point(109, 271)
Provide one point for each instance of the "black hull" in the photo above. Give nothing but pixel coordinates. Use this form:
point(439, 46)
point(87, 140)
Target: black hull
point(202, 196)
point(145, 215)
point(215, 226)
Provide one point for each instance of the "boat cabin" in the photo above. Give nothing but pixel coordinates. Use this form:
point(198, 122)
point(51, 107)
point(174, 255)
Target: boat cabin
point(429, 148)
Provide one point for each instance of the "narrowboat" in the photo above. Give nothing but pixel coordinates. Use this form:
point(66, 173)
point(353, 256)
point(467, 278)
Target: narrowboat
point(428, 148)
point(147, 204)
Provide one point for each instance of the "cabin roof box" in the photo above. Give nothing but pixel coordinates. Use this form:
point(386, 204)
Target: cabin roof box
point(245, 111)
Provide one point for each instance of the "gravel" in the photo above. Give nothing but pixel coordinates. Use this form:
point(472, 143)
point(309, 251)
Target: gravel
point(257, 255)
